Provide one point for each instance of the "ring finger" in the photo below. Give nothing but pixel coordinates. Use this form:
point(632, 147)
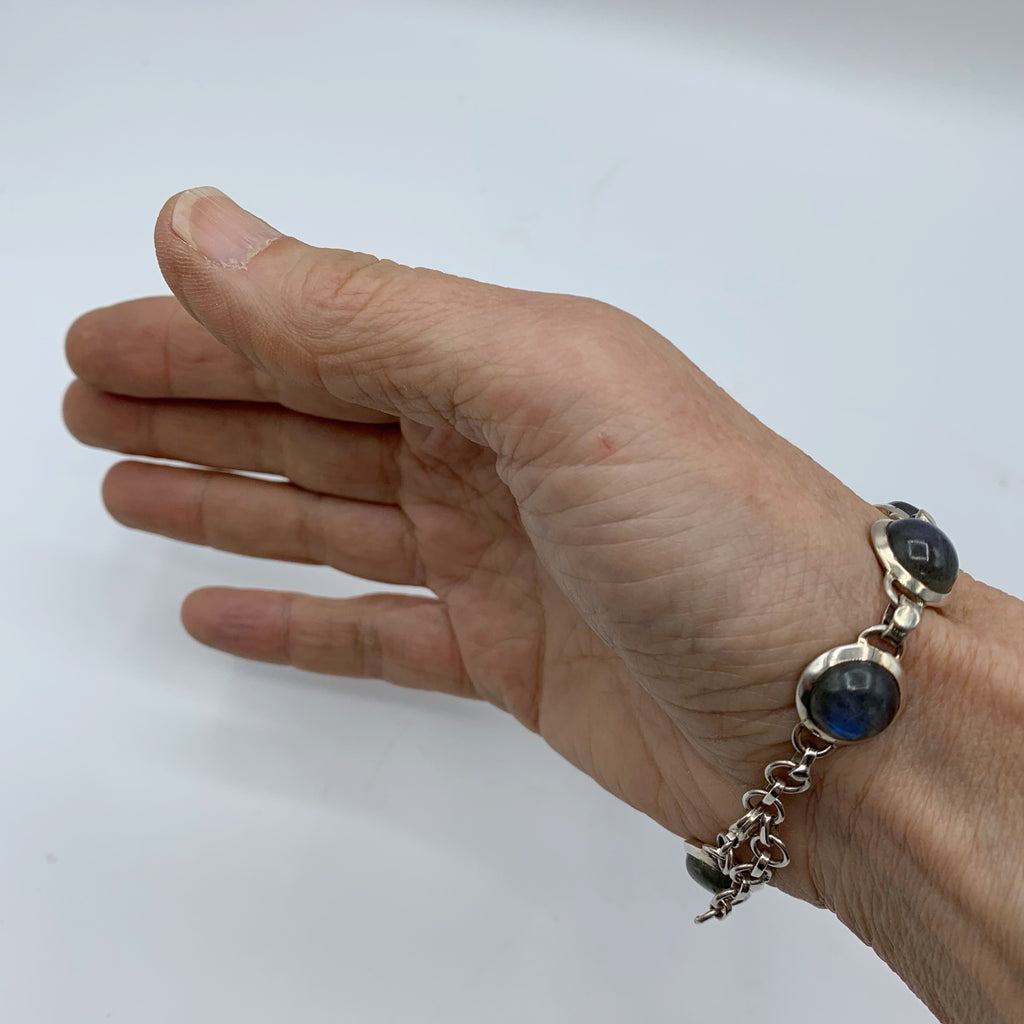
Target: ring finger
point(265, 520)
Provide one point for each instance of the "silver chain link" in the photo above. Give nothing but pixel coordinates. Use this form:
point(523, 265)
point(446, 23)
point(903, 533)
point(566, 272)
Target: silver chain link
point(758, 828)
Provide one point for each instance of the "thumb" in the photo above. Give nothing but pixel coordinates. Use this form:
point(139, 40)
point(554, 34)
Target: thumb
point(406, 341)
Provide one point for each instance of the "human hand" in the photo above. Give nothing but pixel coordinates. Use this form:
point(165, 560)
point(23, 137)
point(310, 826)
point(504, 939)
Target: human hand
point(620, 555)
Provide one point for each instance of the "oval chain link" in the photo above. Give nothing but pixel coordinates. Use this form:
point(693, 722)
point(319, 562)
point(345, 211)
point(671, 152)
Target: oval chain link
point(758, 827)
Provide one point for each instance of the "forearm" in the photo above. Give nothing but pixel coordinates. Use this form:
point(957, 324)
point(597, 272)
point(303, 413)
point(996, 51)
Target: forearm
point(917, 834)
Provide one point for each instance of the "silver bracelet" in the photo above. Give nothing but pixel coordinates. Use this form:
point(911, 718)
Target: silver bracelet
point(845, 695)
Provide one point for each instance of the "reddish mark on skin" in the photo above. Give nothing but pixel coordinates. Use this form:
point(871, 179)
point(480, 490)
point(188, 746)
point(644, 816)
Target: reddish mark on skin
point(606, 442)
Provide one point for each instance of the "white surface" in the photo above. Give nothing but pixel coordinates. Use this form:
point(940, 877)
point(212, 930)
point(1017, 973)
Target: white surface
point(817, 208)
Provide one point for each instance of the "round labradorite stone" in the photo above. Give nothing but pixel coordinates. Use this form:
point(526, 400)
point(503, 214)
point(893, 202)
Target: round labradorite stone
point(707, 876)
point(854, 700)
point(925, 552)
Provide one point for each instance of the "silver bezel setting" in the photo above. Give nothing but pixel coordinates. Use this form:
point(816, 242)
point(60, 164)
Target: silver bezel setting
point(700, 852)
point(860, 651)
point(899, 575)
point(706, 855)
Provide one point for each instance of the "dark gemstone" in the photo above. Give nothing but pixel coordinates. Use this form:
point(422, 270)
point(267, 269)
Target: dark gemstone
point(854, 700)
point(925, 552)
point(706, 876)
point(911, 510)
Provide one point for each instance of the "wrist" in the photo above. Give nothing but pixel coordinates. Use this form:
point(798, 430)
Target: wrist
point(907, 834)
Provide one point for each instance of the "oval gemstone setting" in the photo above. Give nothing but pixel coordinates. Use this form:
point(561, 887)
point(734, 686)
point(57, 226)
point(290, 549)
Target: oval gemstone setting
point(925, 552)
point(705, 874)
point(853, 700)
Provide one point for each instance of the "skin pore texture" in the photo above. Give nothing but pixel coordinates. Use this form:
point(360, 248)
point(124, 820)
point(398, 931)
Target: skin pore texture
point(619, 555)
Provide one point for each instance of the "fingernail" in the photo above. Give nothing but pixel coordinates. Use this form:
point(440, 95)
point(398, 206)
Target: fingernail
point(218, 228)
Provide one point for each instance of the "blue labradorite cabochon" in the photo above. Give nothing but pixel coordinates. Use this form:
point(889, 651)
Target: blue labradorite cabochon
point(911, 510)
point(854, 700)
point(925, 552)
point(707, 876)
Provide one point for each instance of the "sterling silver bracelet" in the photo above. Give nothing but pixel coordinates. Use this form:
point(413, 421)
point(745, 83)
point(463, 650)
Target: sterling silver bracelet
point(845, 695)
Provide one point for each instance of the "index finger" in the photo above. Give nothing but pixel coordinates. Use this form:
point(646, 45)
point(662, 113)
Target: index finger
point(153, 348)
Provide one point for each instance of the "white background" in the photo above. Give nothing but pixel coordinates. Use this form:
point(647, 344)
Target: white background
point(818, 202)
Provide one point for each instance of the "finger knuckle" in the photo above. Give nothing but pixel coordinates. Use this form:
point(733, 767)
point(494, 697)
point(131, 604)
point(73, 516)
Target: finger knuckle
point(354, 295)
